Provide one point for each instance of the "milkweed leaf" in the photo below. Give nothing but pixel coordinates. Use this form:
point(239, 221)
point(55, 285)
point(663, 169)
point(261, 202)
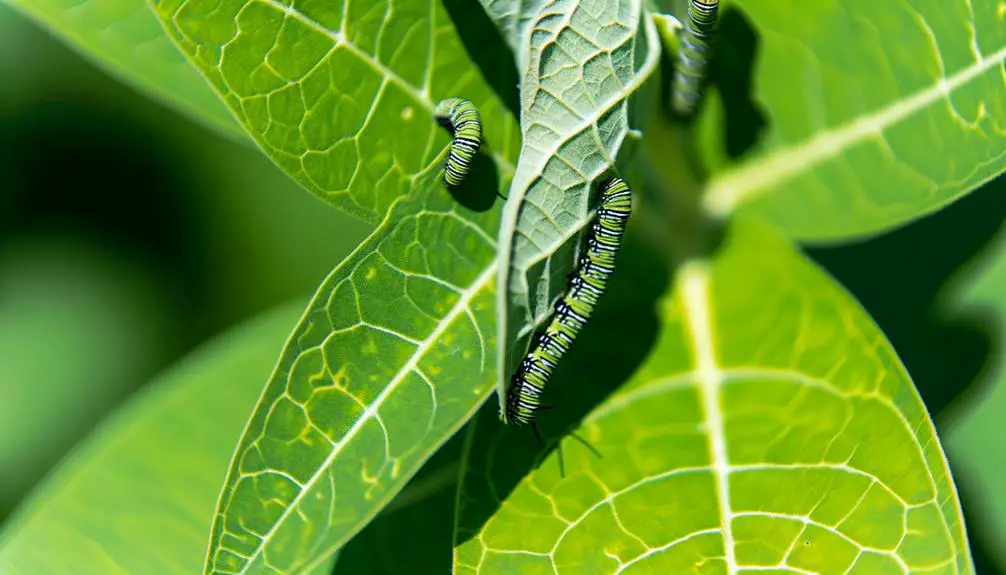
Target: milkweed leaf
point(792, 441)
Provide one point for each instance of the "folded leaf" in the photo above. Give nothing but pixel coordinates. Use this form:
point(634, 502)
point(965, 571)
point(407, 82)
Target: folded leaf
point(585, 63)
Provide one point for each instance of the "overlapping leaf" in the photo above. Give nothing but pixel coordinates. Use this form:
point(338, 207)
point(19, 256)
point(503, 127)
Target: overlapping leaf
point(393, 354)
point(123, 37)
point(412, 535)
point(585, 63)
point(513, 17)
point(390, 358)
point(382, 367)
point(791, 441)
point(875, 112)
point(135, 496)
point(338, 94)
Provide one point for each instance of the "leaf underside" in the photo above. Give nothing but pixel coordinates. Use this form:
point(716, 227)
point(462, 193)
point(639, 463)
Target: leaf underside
point(587, 64)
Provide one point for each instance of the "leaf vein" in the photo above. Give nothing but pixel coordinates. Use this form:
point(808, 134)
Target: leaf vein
point(371, 410)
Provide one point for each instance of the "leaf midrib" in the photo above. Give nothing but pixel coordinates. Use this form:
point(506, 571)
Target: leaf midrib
point(695, 295)
point(695, 279)
point(508, 225)
point(339, 39)
point(754, 178)
point(372, 409)
point(387, 74)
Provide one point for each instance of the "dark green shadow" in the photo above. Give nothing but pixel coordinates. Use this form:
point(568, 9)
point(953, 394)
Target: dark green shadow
point(488, 50)
point(619, 335)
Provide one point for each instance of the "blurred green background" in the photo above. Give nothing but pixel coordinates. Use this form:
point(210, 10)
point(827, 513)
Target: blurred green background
point(129, 235)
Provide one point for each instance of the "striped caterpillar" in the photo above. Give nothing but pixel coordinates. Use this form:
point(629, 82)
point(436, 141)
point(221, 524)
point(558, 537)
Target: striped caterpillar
point(586, 285)
point(693, 58)
point(465, 125)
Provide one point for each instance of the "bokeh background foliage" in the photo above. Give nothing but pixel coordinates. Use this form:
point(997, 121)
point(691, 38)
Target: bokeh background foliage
point(229, 235)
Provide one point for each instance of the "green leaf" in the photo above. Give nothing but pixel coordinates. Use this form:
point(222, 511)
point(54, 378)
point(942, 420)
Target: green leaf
point(877, 112)
point(125, 39)
point(580, 102)
point(97, 314)
point(339, 94)
point(413, 534)
point(395, 350)
point(513, 18)
point(978, 292)
point(392, 356)
point(790, 441)
point(136, 496)
point(670, 29)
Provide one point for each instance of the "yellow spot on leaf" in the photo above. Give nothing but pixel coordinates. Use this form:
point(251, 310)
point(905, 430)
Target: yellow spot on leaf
point(341, 377)
point(370, 348)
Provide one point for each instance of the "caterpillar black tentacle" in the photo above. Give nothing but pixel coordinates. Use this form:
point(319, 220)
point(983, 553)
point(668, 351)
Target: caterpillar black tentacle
point(585, 288)
point(537, 435)
point(693, 58)
point(465, 125)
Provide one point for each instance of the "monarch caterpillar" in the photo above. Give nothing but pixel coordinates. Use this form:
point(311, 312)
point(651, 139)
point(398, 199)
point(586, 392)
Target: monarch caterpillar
point(696, 49)
point(465, 125)
point(585, 287)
